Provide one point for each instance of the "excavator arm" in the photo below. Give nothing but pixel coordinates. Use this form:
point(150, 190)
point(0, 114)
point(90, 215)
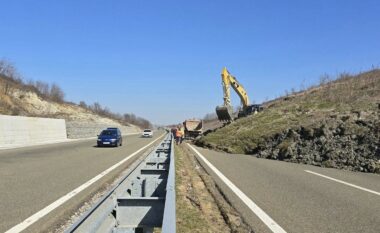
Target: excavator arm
point(225, 112)
point(230, 81)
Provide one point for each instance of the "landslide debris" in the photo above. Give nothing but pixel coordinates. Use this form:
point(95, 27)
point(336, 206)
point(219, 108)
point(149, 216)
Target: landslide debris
point(335, 124)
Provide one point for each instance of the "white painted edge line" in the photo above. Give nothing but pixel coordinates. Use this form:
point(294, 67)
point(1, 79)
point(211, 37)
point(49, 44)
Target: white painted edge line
point(268, 221)
point(35, 217)
point(343, 182)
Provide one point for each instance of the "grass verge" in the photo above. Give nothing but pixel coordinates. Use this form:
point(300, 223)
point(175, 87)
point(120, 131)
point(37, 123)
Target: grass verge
point(201, 207)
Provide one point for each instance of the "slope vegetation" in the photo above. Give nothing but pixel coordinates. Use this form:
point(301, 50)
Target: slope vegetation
point(335, 124)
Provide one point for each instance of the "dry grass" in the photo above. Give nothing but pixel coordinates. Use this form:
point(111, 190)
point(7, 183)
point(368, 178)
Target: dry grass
point(194, 205)
point(200, 205)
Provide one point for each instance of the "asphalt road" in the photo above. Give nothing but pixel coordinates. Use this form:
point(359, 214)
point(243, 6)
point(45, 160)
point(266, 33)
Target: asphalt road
point(34, 177)
point(296, 200)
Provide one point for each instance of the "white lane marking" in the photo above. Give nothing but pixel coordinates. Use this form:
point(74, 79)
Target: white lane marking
point(343, 182)
point(35, 217)
point(271, 224)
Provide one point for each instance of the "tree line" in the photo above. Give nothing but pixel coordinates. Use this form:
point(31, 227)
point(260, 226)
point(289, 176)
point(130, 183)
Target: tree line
point(12, 80)
point(127, 118)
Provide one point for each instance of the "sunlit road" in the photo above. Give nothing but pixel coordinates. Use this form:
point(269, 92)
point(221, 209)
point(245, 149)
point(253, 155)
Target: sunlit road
point(34, 177)
point(300, 198)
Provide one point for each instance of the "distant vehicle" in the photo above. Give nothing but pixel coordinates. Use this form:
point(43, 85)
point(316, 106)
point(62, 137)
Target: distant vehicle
point(110, 137)
point(147, 133)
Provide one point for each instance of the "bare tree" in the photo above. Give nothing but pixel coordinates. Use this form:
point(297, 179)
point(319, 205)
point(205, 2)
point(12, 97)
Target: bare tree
point(83, 104)
point(139, 121)
point(10, 72)
point(56, 93)
point(10, 76)
point(96, 107)
point(7, 88)
point(43, 88)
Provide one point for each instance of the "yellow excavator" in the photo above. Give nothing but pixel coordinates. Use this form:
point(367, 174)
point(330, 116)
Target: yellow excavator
point(225, 112)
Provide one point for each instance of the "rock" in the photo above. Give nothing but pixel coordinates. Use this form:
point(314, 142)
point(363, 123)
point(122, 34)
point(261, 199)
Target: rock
point(345, 142)
point(307, 133)
point(275, 153)
point(317, 158)
point(345, 118)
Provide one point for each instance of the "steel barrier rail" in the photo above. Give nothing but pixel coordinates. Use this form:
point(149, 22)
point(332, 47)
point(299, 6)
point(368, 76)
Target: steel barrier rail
point(169, 222)
point(141, 201)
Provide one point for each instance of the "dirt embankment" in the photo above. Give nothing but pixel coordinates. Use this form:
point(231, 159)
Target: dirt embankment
point(347, 142)
point(201, 207)
point(334, 125)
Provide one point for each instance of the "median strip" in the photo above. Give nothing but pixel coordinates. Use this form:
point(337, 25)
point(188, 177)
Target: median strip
point(37, 216)
point(265, 218)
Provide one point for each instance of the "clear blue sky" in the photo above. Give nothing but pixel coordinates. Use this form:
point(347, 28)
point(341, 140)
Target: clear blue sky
point(162, 59)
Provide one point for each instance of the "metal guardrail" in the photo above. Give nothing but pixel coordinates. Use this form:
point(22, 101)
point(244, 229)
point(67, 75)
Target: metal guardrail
point(169, 222)
point(142, 201)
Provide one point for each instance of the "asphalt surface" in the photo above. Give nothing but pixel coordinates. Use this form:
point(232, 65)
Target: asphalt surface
point(34, 177)
point(299, 201)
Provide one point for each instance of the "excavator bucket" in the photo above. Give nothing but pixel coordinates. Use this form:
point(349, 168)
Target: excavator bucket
point(225, 113)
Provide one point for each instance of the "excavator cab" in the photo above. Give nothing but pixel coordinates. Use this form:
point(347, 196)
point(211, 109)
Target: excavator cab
point(225, 113)
point(250, 109)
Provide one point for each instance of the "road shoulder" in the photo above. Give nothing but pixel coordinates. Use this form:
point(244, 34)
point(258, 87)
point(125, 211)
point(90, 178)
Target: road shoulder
point(201, 207)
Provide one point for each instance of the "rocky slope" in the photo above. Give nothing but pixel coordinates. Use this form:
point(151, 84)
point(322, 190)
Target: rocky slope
point(80, 122)
point(335, 124)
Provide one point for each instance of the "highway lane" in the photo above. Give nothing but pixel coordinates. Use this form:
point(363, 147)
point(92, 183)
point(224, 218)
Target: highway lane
point(34, 177)
point(297, 200)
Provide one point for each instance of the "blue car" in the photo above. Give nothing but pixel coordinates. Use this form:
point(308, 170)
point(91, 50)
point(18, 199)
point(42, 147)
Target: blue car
point(110, 137)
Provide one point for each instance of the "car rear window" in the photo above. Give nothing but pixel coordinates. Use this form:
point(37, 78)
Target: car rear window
point(109, 132)
point(147, 131)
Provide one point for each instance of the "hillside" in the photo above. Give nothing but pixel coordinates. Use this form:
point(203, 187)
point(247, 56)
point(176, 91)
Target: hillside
point(80, 121)
point(28, 103)
point(38, 99)
point(335, 124)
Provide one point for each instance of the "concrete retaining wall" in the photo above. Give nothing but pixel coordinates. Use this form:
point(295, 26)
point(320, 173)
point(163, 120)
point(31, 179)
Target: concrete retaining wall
point(18, 130)
point(85, 129)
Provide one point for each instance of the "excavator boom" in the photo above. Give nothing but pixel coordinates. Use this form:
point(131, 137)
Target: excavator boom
point(225, 112)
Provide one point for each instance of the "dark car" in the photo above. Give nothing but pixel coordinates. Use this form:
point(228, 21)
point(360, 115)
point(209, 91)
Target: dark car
point(110, 137)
